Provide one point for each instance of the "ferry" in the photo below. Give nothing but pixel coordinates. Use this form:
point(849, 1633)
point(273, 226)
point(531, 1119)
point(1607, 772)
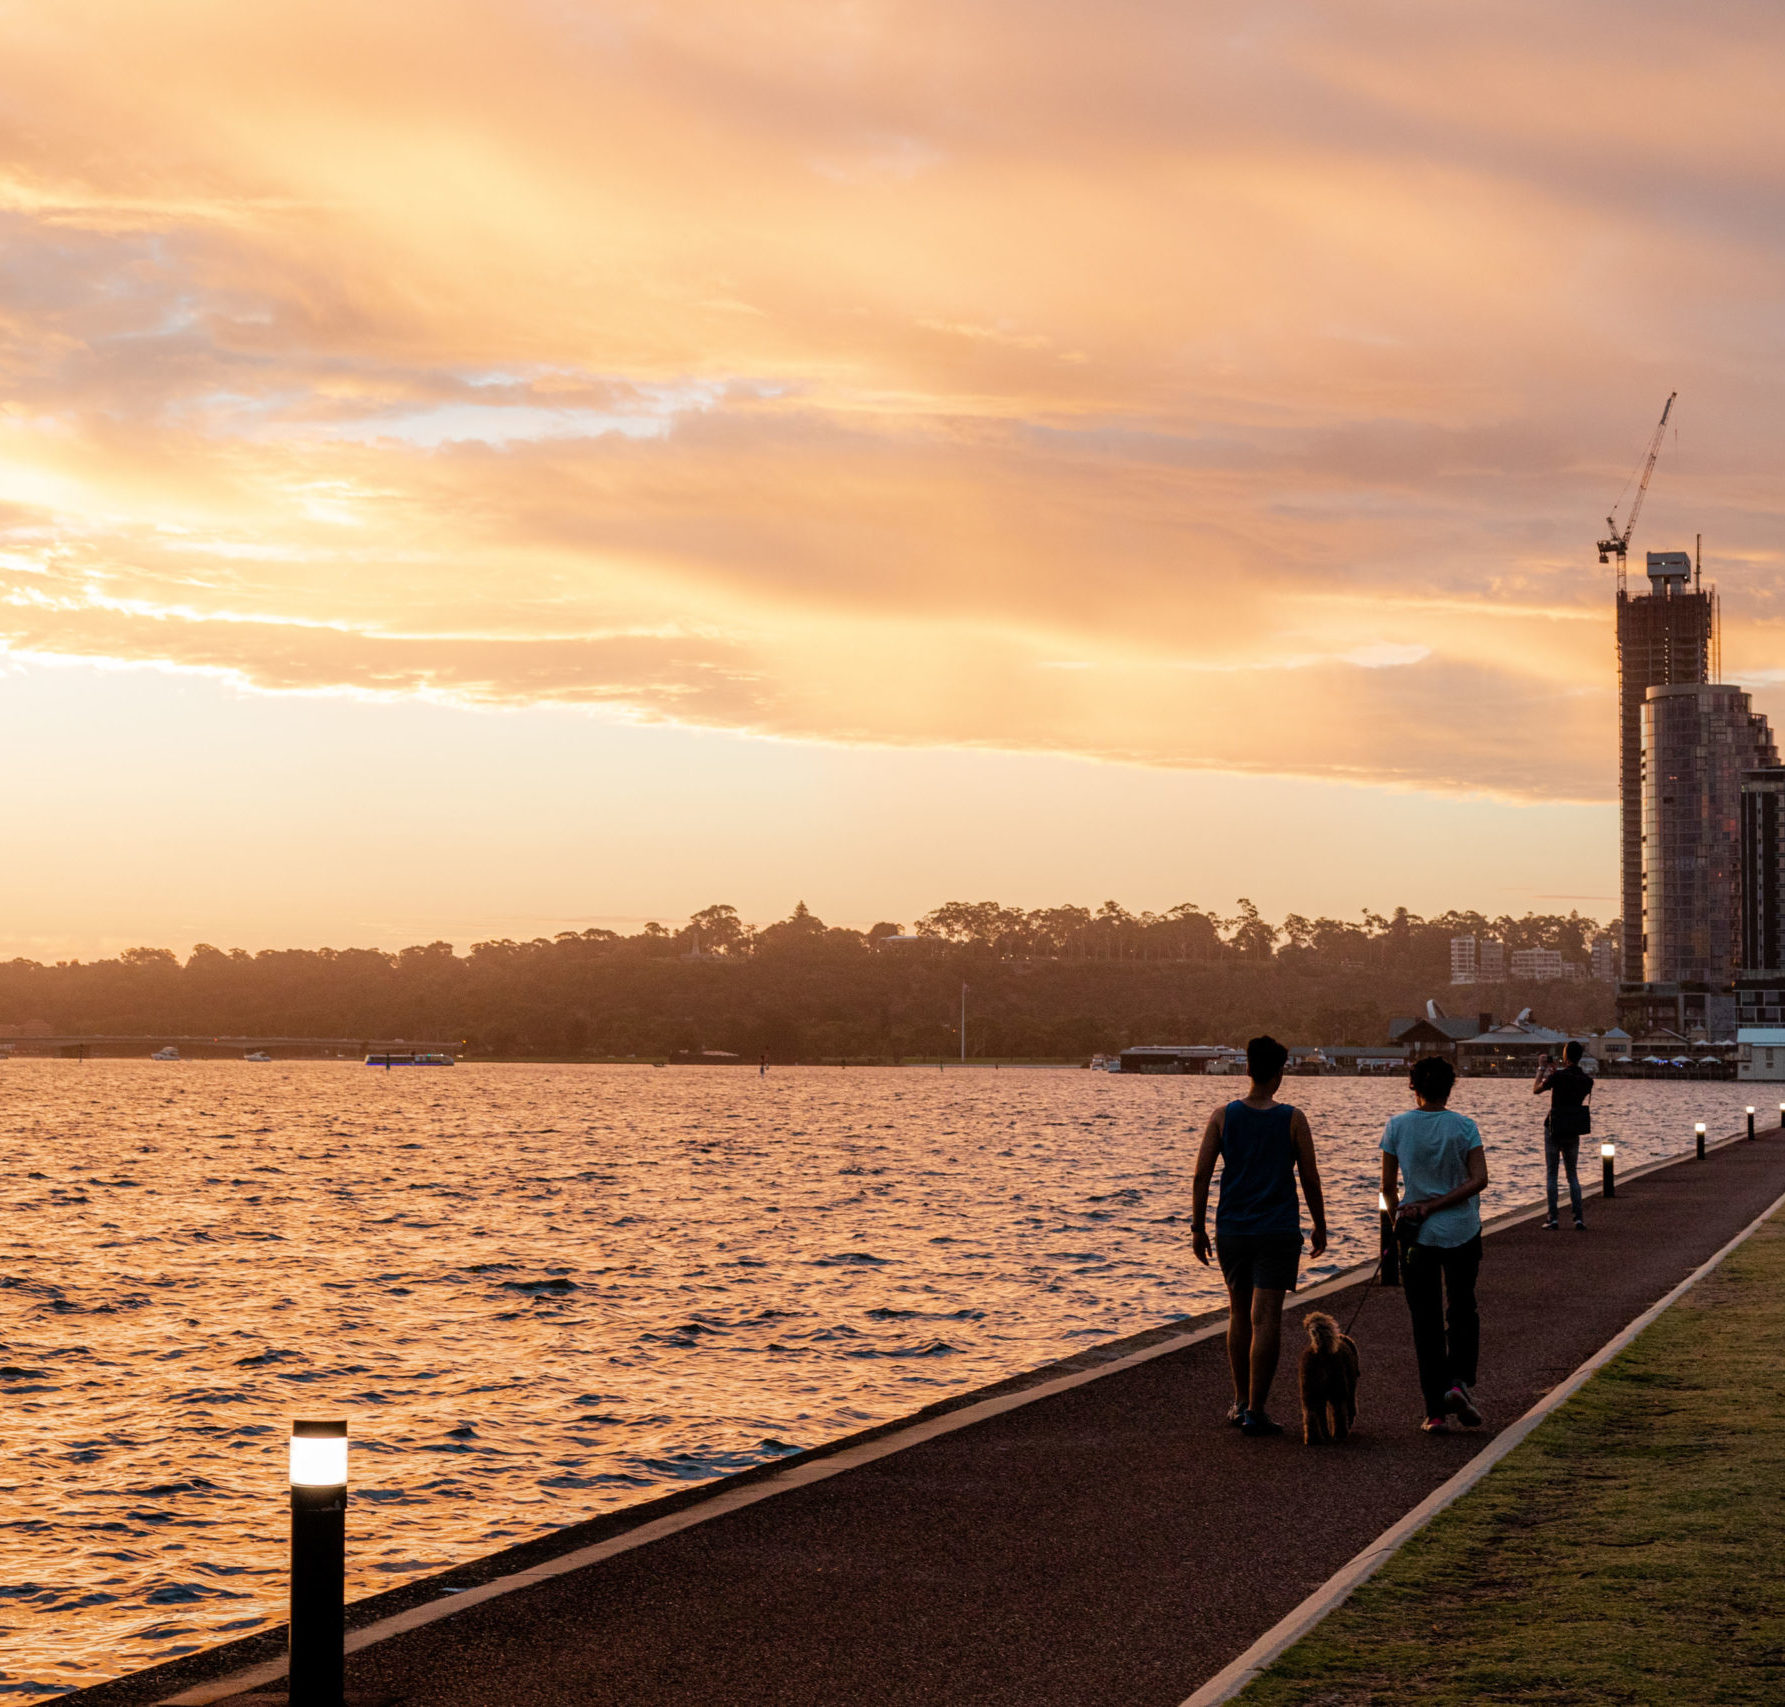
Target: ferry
point(409, 1058)
point(168, 1054)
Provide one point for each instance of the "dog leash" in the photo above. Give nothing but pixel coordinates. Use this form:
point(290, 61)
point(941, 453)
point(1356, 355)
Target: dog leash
point(1369, 1287)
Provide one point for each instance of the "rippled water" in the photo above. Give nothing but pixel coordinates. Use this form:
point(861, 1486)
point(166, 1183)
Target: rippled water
point(542, 1292)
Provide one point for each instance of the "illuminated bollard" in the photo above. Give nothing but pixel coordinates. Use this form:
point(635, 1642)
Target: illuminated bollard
point(1391, 1252)
point(1750, 1120)
point(318, 1561)
point(1698, 1132)
point(1608, 1174)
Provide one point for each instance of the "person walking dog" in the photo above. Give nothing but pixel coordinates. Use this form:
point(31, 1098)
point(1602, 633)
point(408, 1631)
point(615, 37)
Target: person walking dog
point(1262, 1145)
point(1568, 1121)
point(1440, 1156)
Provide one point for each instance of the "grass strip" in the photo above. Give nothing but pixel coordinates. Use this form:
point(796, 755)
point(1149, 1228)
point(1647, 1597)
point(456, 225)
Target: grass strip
point(1631, 1550)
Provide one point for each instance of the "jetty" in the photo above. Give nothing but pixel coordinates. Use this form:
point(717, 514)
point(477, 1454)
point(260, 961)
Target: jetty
point(1089, 1535)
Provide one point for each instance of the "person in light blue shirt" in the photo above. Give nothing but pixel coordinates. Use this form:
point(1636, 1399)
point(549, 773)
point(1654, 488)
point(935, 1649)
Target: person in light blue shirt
point(1439, 1154)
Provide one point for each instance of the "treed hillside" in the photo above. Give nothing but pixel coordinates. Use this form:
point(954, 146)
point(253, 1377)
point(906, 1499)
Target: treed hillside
point(1058, 982)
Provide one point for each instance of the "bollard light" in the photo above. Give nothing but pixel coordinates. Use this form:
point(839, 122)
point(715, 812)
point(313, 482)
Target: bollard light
point(1607, 1154)
point(1698, 1132)
point(1390, 1270)
point(318, 1562)
point(1750, 1120)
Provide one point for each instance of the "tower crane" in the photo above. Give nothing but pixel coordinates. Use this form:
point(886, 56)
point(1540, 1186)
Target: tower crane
point(1617, 542)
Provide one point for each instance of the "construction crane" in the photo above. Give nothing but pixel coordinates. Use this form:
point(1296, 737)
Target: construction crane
point(1617, 542)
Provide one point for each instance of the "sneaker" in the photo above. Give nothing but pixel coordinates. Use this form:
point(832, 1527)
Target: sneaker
point(1257, 1425)
point(1461, 1406)
point(1549, 1226)
point(1580, 1226)
point(1236, 1414)
point(1436, 1425)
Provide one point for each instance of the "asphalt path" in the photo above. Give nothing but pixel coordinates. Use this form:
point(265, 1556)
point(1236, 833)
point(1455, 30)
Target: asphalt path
point(1111, 1544)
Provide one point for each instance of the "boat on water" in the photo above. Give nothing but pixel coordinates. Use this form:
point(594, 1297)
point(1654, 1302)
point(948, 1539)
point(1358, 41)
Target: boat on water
point(168, 1054)
point(257, 1055)
point(1106, 1063)
point(409, 1058)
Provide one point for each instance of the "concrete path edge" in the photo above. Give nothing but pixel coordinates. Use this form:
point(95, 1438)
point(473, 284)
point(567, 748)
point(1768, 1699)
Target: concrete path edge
point(1339, 1587)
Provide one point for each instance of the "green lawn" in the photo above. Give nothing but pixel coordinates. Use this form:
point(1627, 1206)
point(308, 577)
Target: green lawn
point(1632, 1550)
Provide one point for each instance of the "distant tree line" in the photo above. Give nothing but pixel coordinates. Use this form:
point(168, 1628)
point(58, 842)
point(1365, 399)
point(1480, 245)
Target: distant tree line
point(1057, 982)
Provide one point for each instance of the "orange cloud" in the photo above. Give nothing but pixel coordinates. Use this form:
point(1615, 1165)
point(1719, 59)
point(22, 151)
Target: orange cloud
point(1223, 389)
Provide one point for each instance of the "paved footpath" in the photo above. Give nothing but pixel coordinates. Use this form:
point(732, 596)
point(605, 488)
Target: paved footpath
point(1111, 1544)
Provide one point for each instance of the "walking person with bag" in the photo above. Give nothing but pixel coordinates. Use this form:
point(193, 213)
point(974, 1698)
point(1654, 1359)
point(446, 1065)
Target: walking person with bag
point(1439, 1154)
point(1568, 1121)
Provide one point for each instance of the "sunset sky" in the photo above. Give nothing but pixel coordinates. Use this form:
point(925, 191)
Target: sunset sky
point(474, 469)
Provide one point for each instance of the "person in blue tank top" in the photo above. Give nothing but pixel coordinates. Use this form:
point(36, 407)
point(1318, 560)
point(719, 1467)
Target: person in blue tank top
point(1262, 1144)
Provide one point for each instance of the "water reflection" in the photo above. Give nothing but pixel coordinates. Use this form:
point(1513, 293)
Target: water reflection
point(540, 1293)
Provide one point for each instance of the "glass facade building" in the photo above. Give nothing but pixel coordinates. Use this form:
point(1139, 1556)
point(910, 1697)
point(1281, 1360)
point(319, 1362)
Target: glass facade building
point(1763, 874)
point(1697, 742)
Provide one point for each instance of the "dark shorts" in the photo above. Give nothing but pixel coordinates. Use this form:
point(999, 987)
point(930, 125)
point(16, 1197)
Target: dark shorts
point(1269, 1260)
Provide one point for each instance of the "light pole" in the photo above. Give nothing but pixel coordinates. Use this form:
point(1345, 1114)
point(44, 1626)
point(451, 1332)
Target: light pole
point(1750, 1120)
point(963, 1025)
point(1698, 1133)
point(318, 1562)
point(1609, 1185)
point(1391, 1252)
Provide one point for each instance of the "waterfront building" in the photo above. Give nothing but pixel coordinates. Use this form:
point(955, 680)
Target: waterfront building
point(1605, 959)
point(1462, 960)
point(1698, 740)
point(1513, 1047)
point(1666, 637)
point(1490, 961)
point(1435, 1032)
point(1760, 1052)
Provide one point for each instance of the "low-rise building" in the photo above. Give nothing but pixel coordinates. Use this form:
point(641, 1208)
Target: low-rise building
point(1434, 1034)
point(1538, 965)
point(1512, 1048)
point(1760, 1052)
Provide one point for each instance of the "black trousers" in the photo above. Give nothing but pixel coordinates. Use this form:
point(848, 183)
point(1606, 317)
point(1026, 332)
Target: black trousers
point(1439, 1281)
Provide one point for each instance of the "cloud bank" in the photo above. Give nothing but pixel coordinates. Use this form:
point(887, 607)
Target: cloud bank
point(1234, 387)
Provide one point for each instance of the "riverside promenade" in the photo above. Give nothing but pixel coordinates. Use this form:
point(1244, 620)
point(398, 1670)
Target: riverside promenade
point(1104, 1544)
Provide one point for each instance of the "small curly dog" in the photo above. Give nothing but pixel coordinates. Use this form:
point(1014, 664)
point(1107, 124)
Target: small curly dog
point(1329, 1381)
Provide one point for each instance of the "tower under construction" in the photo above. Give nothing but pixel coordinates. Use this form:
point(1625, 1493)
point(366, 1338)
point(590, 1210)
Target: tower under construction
point(1666, 638)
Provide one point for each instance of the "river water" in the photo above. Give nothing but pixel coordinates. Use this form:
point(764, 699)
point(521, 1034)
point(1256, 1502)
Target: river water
point(539, 1293)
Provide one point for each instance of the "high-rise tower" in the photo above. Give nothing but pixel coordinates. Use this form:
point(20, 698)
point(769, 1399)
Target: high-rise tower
point(1665, 639)
point(1698, 742)
point(1763, 876)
